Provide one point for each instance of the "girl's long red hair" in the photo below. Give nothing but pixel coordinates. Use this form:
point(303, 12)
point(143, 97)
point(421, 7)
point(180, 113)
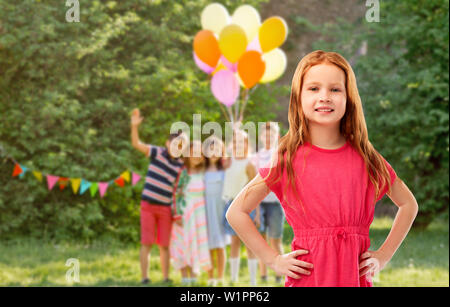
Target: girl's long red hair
point(352, 127)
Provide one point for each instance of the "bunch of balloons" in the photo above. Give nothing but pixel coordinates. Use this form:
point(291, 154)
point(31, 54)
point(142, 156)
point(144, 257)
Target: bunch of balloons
point(239, 50)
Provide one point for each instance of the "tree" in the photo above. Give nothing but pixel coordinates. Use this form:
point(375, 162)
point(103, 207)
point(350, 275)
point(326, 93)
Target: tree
point(66, 92)
point(403, 82)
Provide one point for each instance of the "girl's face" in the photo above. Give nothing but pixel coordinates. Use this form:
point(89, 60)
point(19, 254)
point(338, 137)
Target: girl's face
point(323, 94)
point(214, 152)
point(195, 159)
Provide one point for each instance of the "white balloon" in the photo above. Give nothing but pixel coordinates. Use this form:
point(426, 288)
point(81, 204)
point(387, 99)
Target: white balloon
point(276, 62)
point(248, 18)
point(214, 17)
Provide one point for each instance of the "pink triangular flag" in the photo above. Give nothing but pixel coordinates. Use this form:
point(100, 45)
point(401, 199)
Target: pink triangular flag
point(102, 186)
point(136, 178)
point(51, 180)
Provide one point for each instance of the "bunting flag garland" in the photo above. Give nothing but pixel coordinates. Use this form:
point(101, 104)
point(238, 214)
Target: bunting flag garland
point(38, 175)
point(62, 183)
point(93, 188)
point(102, 186)
point(17, 170)
point(136, 178)
point(79, 185)
point(24, 170)
point(75, 184)
point(84, 186)
point(126, 176)
point(51, 180)
point(120, 182)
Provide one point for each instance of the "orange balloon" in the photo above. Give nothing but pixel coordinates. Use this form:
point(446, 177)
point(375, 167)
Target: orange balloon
point(251, 68)
point(206, 47)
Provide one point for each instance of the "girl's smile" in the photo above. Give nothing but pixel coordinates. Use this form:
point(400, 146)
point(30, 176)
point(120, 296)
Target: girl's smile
point(323, 94)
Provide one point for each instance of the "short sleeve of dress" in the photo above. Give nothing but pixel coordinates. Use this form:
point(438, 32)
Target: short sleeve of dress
point(392, 175)
point(270, 179)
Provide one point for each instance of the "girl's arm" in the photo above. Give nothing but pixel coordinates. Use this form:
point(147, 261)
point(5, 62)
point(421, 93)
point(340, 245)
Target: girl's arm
point(136, 120)
point(251, 173)
point(178, 197)
point(407, 211)
point(238, 215)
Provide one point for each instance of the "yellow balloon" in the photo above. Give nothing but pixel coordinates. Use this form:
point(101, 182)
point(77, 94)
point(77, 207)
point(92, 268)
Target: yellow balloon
point(276, 62)
point(232, 42)
point(247, 17)
point(219, 67)
point(214, 17)
point(272, 33)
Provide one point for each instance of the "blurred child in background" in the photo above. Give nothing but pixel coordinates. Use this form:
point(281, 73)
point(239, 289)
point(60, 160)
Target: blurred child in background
point(214, 150)
point(189, 247)
point(240, 172)
point(272, 214)
point(156, 210)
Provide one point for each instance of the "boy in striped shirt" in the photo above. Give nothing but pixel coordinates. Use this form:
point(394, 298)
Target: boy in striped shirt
point(157, 210)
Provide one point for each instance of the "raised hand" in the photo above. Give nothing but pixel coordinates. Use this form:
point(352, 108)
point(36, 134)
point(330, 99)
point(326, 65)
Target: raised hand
point(136, 118)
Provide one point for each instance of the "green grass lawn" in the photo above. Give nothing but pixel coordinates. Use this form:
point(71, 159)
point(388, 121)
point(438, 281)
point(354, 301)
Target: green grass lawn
point(422, 260)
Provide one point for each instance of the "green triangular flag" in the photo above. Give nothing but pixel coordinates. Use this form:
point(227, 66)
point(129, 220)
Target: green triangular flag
point(94, 188)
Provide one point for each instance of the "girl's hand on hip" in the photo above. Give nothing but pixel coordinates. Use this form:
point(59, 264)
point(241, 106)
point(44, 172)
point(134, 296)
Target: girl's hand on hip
point(372, 262)
point(287, 264)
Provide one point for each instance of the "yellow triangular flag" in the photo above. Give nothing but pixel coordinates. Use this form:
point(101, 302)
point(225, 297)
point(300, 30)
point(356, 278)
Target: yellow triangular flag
point(126, 176)
point(75, 184)
point(38, 175)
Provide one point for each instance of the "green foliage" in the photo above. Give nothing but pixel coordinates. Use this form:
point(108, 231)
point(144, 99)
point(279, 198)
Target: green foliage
point(66, 93)
point(403, 83)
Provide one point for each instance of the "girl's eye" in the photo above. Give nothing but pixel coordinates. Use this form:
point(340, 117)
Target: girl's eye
point(335, 90)
point(313, 89)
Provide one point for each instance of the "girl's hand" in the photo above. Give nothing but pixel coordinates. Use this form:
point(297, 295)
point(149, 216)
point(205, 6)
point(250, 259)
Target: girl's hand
point(287, 264)
point(179, 222)
point(136, 118)
point(372, 262)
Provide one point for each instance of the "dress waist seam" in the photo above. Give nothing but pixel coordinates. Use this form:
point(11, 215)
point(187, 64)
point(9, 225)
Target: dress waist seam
point(331, 231)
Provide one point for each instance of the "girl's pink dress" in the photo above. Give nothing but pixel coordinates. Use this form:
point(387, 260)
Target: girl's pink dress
point(332, 222)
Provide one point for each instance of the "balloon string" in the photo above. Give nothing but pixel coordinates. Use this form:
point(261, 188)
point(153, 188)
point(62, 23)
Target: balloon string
point(224, 112)
point(243, 94)
point(231, 114)
point(236, 108)
point(241, 116)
